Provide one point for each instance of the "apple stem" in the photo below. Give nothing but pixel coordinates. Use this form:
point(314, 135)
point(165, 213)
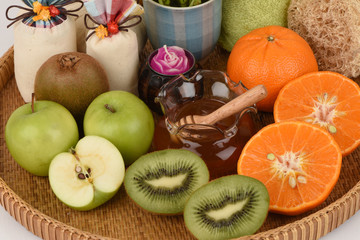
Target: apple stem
point(32, 102)
point(109, 108)
point(73, 152)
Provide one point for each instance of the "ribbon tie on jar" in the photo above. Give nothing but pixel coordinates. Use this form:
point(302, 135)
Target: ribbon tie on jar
point(111, 28)
point(41, 12)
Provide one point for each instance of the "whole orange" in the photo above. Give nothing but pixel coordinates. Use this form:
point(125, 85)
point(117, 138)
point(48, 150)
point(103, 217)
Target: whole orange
point(271, 56)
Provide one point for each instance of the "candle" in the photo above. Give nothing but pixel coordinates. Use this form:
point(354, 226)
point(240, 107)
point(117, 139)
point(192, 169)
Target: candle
point(170, 61)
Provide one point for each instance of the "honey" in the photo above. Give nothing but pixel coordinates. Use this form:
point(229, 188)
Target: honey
point(214, 145)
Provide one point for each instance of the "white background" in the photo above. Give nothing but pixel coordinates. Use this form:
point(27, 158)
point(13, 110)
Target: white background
point(12, 230)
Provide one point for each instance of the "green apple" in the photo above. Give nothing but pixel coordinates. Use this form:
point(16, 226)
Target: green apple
point(123, 119)
point(36, 132)
point(89, 175)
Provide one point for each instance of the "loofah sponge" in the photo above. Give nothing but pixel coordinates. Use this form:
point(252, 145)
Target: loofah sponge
point(332, 29)
point(242, 16)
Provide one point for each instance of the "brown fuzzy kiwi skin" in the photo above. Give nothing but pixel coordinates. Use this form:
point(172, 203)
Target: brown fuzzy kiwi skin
point(72, 79)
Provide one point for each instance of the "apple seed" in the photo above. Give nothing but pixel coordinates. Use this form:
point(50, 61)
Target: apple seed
point(81, 176)
point(78, 169)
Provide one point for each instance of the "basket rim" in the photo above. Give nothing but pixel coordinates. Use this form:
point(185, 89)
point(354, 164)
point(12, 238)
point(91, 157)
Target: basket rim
point(46, 227)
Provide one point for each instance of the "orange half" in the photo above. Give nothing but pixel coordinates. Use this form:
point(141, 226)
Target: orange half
point(326, 99)
point(298, 162)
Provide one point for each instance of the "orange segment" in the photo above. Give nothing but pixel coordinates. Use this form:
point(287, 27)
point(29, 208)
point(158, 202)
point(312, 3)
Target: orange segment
point(289, 197)
point(326, 99)
point(298, 162)
point(311, 193)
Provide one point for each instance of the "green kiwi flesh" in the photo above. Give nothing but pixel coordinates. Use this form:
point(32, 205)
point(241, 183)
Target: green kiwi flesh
point(227, 207)
point(161, 182)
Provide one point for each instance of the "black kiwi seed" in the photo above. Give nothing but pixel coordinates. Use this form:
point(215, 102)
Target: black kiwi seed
point(228, 207)
point(162, 181)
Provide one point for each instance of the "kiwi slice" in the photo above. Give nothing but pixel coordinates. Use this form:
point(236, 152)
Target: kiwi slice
point(161, 182)
point(228, 207)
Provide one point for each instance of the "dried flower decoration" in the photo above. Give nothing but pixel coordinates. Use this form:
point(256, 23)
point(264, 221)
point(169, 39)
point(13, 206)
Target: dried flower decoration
point(101, 32)
point(43, 12)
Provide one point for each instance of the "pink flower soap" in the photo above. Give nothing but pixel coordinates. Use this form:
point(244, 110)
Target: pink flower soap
point(170, 61)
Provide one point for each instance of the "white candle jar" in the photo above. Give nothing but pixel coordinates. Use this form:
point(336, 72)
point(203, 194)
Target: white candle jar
point(41, 30)
point(33, 46)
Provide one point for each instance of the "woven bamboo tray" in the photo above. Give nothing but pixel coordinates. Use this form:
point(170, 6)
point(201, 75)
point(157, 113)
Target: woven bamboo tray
point(31, 202)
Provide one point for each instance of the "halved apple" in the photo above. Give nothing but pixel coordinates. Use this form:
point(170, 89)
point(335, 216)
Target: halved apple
point(88, 175)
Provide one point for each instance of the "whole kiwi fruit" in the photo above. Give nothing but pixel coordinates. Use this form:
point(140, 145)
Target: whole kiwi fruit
point(72, 79)
point(227, 207)
point(162, 181)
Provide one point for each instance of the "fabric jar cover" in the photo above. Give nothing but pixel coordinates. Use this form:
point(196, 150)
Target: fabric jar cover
point(118, 52)
point(37, 41)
